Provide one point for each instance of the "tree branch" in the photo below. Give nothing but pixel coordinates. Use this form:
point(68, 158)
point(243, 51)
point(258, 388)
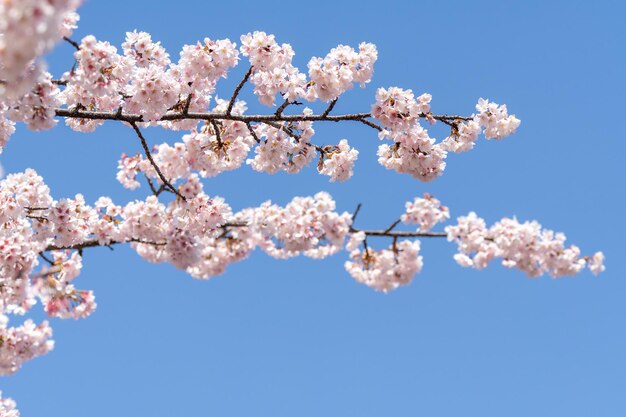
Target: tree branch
point(252, 132)
point(387, 233)
point(279, 110)
point(233, 98)
point(71, 42)
point(258, 118)
point(95, 243)
point(146, 150)
point(330, 107)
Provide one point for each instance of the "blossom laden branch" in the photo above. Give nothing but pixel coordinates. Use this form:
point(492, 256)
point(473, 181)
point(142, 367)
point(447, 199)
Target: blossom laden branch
point(200, 234)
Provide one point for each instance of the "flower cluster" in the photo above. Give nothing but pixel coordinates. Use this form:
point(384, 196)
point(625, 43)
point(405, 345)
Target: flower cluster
point(7, 126)
point(273, 71)
point(307, 225)
point(425, 212)
point(339, 161)
point(413, 151)
point(7, 407)
point(23, 343)
point(495, 119)
point(29, 29)
point(59, 297)
point(462, 138)
point(334, 74)
point(525, 246)
point(283, 147)
point(386, 269)
point(329, 77)
point(96, 83)
point(398, 110)
point(36, 108)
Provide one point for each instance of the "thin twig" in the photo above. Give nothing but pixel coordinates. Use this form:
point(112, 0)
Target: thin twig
point(252, 132)
point(156, 191)
point(144, 144)
point(356, 211)
point(392, 226)
point(330, 107)
point(279, 110)
point(398, 234)
point(370, 124)
point(45, 258)
point(231, 102)
point(285, 129)
point(218, 135)
point(71, 42)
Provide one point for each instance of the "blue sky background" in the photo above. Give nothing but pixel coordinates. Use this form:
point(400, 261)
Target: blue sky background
point(300, 337)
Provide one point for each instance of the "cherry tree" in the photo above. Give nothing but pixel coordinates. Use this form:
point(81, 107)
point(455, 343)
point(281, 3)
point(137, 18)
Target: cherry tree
point(42, 239)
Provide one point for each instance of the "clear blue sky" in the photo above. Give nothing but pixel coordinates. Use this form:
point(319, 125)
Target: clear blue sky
point(300, 337)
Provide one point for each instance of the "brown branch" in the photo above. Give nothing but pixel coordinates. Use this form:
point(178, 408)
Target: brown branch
point(156, 191)
point(370, 124)
point(398, 234)
point(252, 132)
point(388, 232)
point(282, 107)
point(71, 42)
point(258, 118)
point(95, 243)
point(218, 135)
point(284, 129)
point(297, 137)
point(330, 107)
point(45, 258)
point(392, 226)
point(356, 211)
point(144, 144)
point(231, 102)
point(38, 218)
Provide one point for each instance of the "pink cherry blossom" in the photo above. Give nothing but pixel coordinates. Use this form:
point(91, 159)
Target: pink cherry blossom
point(387, 269)
point(339, 162)
point(425, 212)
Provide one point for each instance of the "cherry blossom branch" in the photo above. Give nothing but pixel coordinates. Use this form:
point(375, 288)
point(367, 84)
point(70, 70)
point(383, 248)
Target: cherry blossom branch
point(94, 243)
point(388, 232)
point(77, 113)
point(144, 144)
